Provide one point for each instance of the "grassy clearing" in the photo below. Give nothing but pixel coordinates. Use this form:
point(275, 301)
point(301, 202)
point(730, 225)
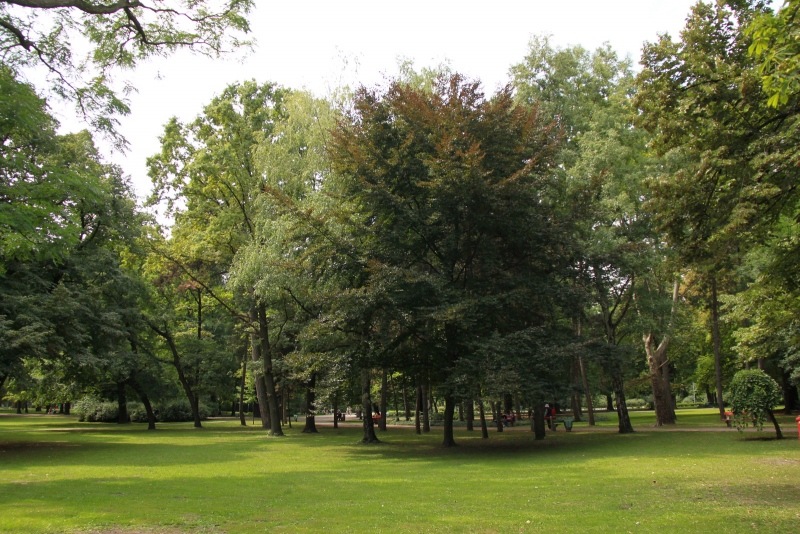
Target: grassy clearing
point(57, 475)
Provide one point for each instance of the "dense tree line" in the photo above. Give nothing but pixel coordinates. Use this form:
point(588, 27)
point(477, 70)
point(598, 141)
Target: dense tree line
point(585, 232)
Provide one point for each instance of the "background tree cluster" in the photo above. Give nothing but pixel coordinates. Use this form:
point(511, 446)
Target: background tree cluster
point(587, 234)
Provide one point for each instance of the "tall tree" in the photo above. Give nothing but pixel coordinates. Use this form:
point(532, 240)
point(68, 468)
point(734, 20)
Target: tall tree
point(455, 191)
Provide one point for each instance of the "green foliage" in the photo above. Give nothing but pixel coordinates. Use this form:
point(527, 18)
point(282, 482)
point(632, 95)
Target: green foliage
point(775, 44)
point(112, 36)
point(753, 396)
point(93, 410)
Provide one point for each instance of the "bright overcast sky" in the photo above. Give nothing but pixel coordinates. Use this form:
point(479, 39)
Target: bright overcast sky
point(304, 44)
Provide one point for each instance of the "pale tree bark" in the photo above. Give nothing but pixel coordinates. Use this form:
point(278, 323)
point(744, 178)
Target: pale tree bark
point(658, 364)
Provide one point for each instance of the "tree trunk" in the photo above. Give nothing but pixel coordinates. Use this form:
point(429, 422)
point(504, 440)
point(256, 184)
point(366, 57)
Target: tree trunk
point(269, 377)
point(176, 362)
point(336, 410)
point(609, 402)
point(151, 416)
point(537, 421)
point(625, 426)
point(658, 365)
point(366, 404)
point(406, 404)
point(589, 407)
point(498, 418)
point(449, 410)
point(517, 407)
point(242, 385)
point(122, 404)
point(778, 433)
point(470, 415)
point(717, 346)
point(311, 426)
point(575, 397)
point(482, 416)
point(384, 400)
point(418, 410)
point(426, 422)
point(791, 401)
point(461, 411)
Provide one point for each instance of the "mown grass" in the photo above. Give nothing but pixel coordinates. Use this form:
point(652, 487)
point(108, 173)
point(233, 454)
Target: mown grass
point(58, 475)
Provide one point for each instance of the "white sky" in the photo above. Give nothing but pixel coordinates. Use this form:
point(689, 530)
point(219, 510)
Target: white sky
point(305, 44)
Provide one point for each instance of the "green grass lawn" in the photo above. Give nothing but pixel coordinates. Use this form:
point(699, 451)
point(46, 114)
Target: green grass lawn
point(58, 475)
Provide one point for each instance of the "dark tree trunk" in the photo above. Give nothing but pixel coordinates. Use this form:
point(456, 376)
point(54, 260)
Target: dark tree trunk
point(537, 421)
point(366, 404)
point(426, 422)
point(449, 410)
point(336, 410)
point(791, 401)
point(609, 402)
point(482, 416)
point(778, 433)
point(625, 426)
point(517, 407)
point(311, 425)
point(589, 407)
point(66, 407)
point(258, 375)
point(717, 346)
point(384, 400)
point(242, 385)
point(19, 407)
point(470, 415)
point(151, 416)
point(508, 403)
point(176, 362)
point(498, 419)
point(406, 404)
point(418, 410)
point(269, 377)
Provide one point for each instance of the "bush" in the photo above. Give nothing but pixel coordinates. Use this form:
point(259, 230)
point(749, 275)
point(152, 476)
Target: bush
point(636, 403)
point(753, 394)
point(91, 409)
point(177, 411)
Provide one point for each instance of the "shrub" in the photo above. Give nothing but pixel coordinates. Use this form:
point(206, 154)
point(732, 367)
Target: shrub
point(178, 410)
point(753, 394)
point(92, 410)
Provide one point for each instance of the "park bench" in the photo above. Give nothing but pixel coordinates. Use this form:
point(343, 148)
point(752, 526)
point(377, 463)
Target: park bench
point(728, 418)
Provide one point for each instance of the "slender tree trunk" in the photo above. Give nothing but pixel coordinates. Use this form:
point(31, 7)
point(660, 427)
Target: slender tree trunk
point(778, 433)
point(366, 403)
point(517, 407)
point(537, 421)
point(498, 419)
point(258, 374)
point(470, 415)
point(311, 426)
point(418, 410)
point(589, 407)
point(482, 417)
point(336, 410)
point(426, 422)
point(122, 404)
point(384, 400)
point(176, 362)
point(406, 404)
point(151, 416)
point(717, 346)
point(791, 399)
point(449, 410)
point(242, 385)
point(394, 398)
point(461, 411)
point(625, 426)
point(269, 377)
